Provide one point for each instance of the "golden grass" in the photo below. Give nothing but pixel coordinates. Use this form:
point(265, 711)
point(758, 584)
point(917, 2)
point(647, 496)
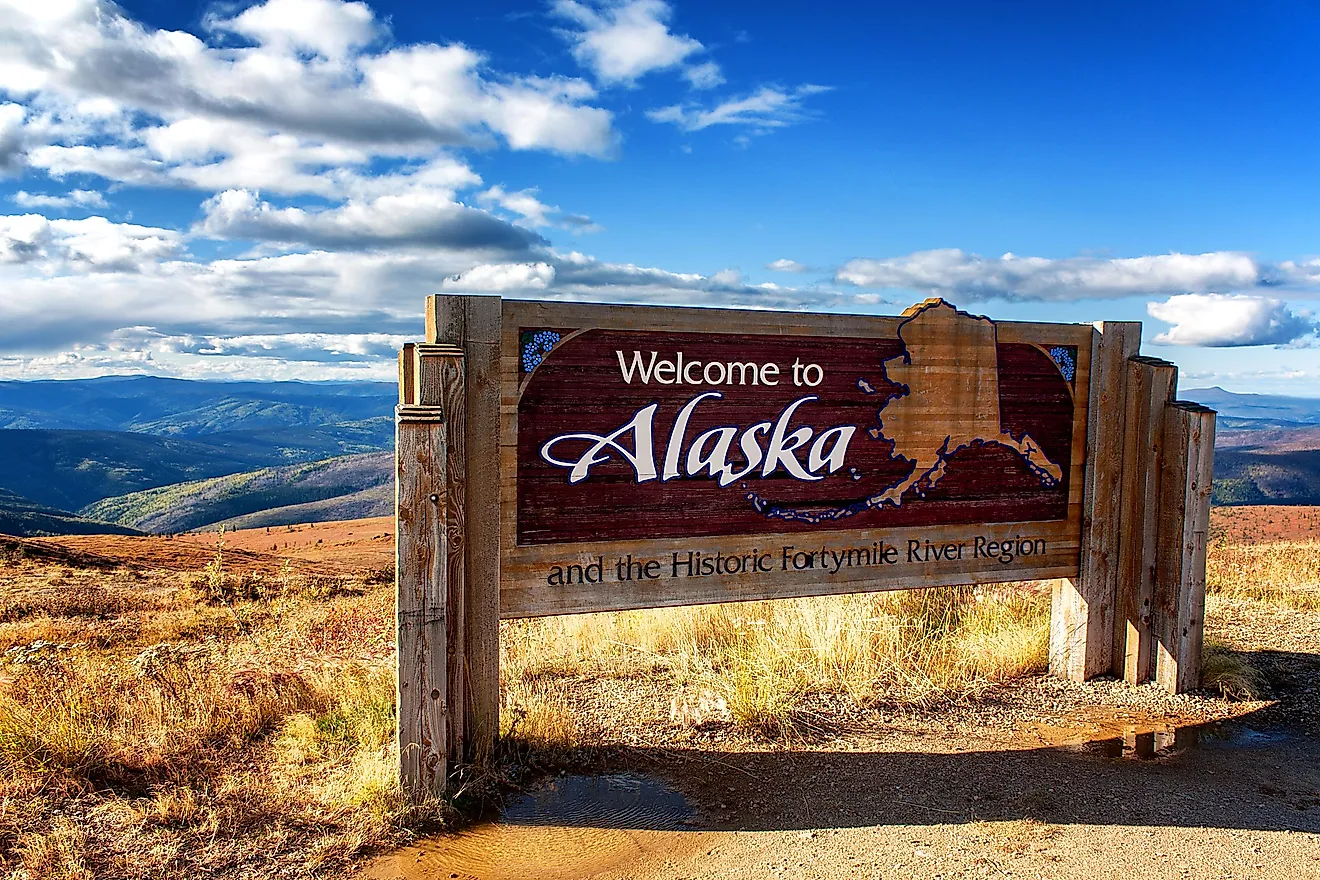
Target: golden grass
point(164, 728)
point(1282, 573)
point(762, 658)
point(216, 724)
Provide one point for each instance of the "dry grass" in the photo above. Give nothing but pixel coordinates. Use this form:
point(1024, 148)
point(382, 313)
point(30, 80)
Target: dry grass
point(761, 659)
point(227, 724)
point(1224, 670)
point(1283, 573)
point(203, 725)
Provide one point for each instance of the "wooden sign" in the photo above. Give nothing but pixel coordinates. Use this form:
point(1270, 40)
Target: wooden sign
point(559, 458)
point(672, 456)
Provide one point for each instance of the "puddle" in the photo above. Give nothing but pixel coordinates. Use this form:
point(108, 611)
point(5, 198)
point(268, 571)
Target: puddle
point(1142, 738)
point(574, 827)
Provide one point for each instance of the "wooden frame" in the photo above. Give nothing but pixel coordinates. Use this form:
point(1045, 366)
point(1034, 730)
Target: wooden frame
point(1126, 552)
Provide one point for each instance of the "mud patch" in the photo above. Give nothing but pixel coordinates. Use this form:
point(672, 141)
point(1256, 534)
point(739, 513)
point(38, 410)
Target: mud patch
point(574, 827)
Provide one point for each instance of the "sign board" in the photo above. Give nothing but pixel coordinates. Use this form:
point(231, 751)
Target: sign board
point(556, 458)
point(662, 456)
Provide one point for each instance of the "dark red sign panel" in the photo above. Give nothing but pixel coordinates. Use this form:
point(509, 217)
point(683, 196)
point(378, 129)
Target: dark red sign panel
point(638, 435)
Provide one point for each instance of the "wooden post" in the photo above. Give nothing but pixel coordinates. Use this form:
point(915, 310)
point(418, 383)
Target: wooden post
point(1082, 613)
point(473, 324)
point(1178, 617)
point(429, 567)
point(1151, 386)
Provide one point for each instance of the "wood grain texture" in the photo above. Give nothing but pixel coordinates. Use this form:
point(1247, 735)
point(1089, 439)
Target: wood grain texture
point(1152, 385)
point(473, 324)
point(407, 374)
point(421, 572)
point(1023, 348)
point(1179, 596)
point(1082, 623)
point(448, 371)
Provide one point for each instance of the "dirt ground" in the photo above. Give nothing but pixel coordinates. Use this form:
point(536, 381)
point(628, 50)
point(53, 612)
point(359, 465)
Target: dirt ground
point(335, 547)
point(1265, 523)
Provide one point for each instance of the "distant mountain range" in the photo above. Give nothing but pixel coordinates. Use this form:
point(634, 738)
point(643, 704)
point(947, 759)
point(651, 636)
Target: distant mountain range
point(1267, 447)
point(1255, 411)
point(125, 454)
point(186, 408)
point(66, 447)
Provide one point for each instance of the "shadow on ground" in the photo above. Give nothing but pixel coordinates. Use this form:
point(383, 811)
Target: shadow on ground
point(1261, 772)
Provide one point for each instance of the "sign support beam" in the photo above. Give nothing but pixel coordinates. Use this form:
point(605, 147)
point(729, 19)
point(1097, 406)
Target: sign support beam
point(429, 570)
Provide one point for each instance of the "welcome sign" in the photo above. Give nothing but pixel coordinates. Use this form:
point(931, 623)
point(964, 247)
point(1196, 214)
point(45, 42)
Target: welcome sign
point(556, 458)
point(668, 456)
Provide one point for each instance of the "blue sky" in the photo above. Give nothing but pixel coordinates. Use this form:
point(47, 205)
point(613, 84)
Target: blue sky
point(269, 190)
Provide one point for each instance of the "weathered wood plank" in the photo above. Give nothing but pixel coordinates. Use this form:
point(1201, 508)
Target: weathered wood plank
point(420, 586)
point(407, 374)
point(1152, 384)
point(1179, 594)
point(474, 324)
point(1082, 626)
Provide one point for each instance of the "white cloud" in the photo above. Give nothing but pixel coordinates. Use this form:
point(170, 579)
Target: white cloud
point(534, 213)
point(782, 265)
point(411, 219)
point(622, 40)
point(90, 245)
point(11, 137)
point(968, 276)
point(95, 68)
point(502, 278)
point(311, 131)
point(706, 75)
point(326, 27)
point(1221, 320)
point(763, 110)
point(83, 198)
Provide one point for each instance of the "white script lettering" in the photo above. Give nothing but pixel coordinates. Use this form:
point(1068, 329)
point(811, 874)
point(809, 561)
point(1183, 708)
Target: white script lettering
point(710, 451)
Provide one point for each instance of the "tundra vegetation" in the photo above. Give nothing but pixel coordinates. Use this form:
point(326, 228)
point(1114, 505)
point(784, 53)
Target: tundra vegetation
point(236, 719)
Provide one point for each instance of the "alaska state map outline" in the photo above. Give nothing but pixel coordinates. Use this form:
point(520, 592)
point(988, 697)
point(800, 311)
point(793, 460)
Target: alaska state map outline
point(948, 372)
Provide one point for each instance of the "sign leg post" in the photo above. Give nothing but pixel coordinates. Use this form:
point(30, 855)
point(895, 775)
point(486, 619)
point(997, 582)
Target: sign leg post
point(429, 568)
point(1184, 523)
point(474, 325)
point(1082, 612)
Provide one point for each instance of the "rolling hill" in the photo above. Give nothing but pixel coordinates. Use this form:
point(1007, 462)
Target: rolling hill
point(1267, 447)
point(67, 444)
point(337, 488)
point(70, 469)
point(23, 516)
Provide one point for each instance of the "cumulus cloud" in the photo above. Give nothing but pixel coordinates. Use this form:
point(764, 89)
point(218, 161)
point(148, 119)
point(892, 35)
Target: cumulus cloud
point(706, 75)
point(969, 276)
point(11, 138)
point(80, 198)
point(533, 212)
point(397, 100)
point(334, 149)
point(415, 219)
point(765, 109)
point(94, 244)
point(326, 27)
point(782, 265)
point(502, 278)
point(1222, 320)
point(623, 40)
